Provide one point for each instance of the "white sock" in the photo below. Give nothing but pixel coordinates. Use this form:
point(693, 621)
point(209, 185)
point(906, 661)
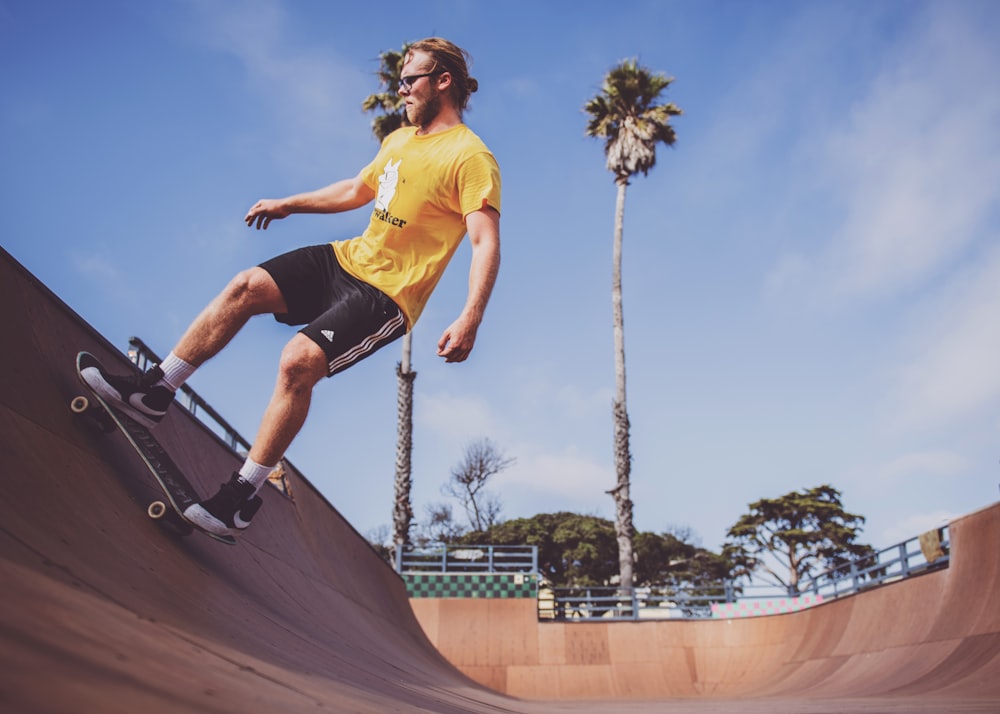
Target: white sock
point(175, 371)
point(254, 474)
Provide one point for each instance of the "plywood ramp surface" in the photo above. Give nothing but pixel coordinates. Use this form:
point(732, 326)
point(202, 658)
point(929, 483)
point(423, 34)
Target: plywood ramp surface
point(935, 636)
point(102, 611)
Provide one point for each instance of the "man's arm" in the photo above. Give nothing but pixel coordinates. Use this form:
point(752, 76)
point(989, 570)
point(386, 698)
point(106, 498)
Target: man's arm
point(340, 196)
point(484, 235)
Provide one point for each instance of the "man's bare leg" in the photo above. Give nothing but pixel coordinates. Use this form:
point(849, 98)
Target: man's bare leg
point(303, 365)
point(147, 397)
point(251, 292)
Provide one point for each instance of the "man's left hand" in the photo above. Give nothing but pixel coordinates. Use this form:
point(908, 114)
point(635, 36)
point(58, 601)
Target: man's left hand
point(456, 342)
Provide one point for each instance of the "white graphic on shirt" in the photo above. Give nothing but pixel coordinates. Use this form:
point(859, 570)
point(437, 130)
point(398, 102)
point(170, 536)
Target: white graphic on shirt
point(387, 185)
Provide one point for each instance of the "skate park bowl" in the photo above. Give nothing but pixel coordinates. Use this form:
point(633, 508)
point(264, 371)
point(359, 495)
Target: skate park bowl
point(104, 611)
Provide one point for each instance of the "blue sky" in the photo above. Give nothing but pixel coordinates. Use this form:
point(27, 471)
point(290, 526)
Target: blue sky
point(811, 276)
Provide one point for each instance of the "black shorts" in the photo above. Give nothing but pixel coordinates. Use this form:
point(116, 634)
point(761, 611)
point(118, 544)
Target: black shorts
point(349, 319)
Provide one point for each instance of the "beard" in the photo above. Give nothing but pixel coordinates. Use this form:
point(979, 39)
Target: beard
point(422, 114)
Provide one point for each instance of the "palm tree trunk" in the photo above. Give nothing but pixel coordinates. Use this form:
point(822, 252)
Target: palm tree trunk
point(403, 508)
point(623, 457)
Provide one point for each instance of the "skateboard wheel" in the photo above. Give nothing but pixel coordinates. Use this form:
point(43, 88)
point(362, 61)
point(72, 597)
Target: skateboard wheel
point(82, 406)
point(79, 405)
point(168, 518)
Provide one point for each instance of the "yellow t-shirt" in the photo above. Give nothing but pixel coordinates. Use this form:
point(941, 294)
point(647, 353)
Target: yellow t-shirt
point(426, 186)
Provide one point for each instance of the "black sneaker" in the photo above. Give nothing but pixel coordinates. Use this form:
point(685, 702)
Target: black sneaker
point(227, 512)
point(135, 394)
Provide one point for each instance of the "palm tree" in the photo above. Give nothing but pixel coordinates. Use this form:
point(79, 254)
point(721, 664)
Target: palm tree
point(390, 107)
point(625, 114)
point(391, 115)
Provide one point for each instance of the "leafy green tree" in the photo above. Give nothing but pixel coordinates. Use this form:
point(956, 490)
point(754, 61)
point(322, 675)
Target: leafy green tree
point(582, 551)
point(663, 558)
point(390, 110)
point(627, 116)
point(573, 550)
point(784, 540)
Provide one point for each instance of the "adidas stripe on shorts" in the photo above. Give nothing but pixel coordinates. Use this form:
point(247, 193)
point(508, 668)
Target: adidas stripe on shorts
point(349, 319)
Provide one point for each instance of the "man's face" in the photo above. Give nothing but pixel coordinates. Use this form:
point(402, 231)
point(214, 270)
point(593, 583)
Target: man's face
point(423, 99)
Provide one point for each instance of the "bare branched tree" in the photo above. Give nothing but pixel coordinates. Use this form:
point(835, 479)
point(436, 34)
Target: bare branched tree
point(483, 459)
point(439, 526)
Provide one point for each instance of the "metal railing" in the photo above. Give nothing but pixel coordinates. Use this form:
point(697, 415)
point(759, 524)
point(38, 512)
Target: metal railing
point(895, 563)
point(667, 601)
point(691, 601)
point(467, 559)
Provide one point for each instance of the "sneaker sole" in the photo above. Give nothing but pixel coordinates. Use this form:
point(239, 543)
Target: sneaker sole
point(92, 376)
point(207, 522)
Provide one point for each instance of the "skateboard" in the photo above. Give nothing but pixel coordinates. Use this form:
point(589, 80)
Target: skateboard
point(177, 490)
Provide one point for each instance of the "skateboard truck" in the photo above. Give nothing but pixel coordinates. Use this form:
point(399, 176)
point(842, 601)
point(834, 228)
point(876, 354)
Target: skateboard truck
point(81, 405)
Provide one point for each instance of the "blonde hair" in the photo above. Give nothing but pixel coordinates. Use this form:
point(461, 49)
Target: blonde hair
point(449, 57)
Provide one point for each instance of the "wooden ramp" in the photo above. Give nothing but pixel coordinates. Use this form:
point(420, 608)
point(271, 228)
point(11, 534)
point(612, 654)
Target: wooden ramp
point(105, 612)
point(936, 635)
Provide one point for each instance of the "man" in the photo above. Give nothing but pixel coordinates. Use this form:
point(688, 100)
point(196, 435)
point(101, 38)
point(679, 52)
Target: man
point(432, 182)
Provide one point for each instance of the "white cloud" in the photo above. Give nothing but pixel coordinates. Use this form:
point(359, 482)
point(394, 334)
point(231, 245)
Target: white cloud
point(543, 478)
point(301, 86)
point(941, 464)
point(913, 170)
point(96, 268)
point(456, 419)
point(544, 481)
point(550, 471)
point(917, 189)
point(578, 404)
point(954, 349)
point(913, 525)
point(103, 275)
point(559, 472)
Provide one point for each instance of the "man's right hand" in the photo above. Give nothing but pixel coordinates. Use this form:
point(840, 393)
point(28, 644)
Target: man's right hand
point(265, 211)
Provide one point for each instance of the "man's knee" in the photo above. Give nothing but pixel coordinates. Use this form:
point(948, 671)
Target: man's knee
point(254, 290)
point(303, 363)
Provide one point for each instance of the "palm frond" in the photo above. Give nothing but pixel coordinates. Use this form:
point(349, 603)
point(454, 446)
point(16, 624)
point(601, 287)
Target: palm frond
point(627, 116)
point(387, 104)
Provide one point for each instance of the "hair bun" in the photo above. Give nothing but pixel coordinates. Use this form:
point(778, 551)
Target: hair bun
point(473, 84)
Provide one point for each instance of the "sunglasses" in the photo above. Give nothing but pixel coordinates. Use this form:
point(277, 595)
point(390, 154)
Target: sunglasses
point(407, 81)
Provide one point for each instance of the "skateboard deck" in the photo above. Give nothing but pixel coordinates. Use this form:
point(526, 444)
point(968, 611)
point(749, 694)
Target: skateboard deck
point(178, 491)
